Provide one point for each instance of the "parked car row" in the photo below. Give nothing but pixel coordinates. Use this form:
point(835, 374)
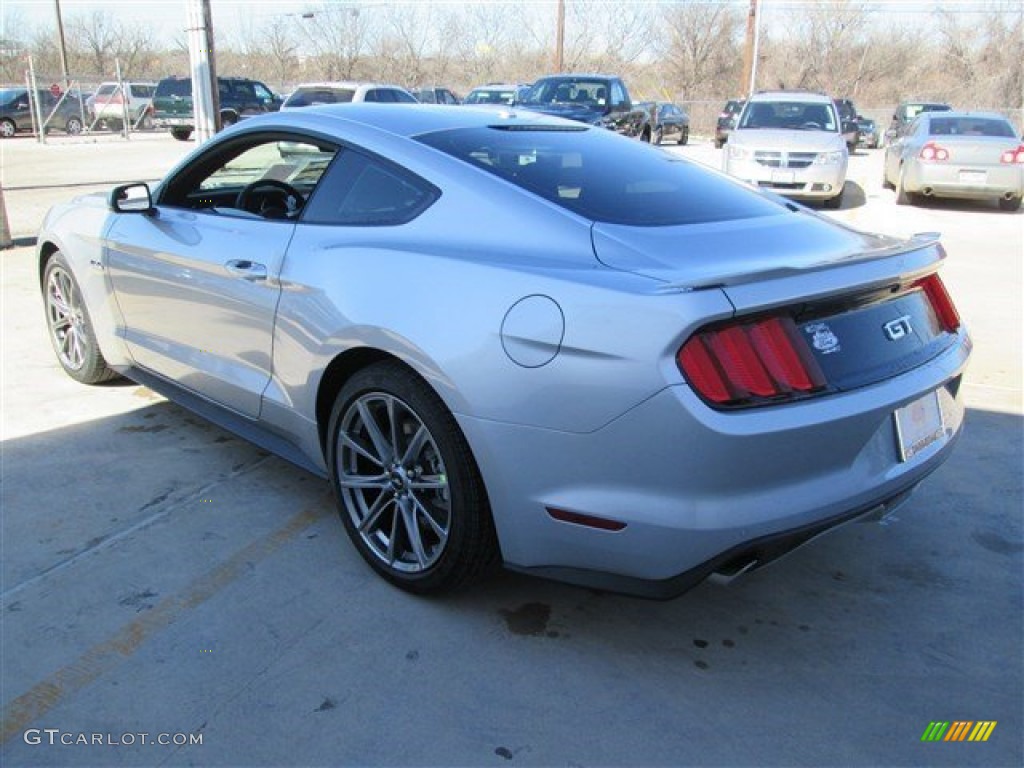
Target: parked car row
point(65, 112)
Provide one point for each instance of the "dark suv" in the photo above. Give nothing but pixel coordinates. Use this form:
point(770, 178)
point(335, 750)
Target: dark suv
point(906, 112)
point(727, 120)
point(239, 97)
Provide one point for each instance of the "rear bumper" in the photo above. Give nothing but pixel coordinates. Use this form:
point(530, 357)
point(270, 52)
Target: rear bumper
point(701, 491)
point(173, 122)
point(982, 182)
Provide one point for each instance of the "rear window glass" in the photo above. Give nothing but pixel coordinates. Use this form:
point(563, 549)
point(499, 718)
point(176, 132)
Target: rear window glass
point(142, 91)
point(311, 97)
point(178, 87)
point(602, 176)
point(970, 126)
point(106, 90)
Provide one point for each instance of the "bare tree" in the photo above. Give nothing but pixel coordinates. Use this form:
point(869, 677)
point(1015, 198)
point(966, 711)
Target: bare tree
point(338, 36)
point(700, 48)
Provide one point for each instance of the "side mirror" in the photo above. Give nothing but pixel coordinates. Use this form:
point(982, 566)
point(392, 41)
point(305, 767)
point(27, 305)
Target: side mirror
point(131, 198)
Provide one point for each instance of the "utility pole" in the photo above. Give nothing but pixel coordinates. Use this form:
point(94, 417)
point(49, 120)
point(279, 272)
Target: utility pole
point(560, 38)
point(749, 62)
point(205, 96)
point(63, 46)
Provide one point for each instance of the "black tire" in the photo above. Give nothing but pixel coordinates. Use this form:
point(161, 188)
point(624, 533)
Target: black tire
point(435, 485)
point(228, 119)
point(886, 184)
point(902, 196)
point(657, 135)
point(834, 203)
point(181, 134)
point(645, 135)
point(719, 143)
point(1013, 204)
point(69, 325)
point(73, 126)
point(684, 137)
point(8, 128)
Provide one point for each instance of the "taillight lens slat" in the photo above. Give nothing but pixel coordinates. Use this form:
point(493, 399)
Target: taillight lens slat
point(737, 363)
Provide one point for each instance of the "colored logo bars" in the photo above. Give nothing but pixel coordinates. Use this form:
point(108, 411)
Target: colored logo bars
point(959, 730)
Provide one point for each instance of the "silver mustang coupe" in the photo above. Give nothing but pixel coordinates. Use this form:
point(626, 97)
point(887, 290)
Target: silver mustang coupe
point(504, 336)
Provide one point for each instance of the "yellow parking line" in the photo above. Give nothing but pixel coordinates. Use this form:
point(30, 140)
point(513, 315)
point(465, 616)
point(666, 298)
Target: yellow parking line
point(102, 657)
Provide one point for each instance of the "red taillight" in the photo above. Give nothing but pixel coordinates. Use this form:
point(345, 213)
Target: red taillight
point(939, 298)
point(762, 359)
point(932, 151)
point(1013, 155)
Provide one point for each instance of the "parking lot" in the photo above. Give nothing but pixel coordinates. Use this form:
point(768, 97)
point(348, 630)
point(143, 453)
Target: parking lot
point(163, 577)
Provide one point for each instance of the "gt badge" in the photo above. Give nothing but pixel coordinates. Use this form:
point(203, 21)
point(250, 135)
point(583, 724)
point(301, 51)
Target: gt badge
point(898, 328)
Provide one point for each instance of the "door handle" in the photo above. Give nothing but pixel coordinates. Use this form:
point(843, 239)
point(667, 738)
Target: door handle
point(245, 269)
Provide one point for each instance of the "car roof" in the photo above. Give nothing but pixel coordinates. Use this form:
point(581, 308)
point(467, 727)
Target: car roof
point(347, 84)
point(963, 113)
point(810, 97)
point(401, 119)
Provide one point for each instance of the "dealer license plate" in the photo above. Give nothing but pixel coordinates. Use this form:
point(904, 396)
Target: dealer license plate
point(918, 425)
point(973, 177)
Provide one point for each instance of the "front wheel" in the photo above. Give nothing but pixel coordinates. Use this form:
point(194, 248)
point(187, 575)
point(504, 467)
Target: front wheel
point(71, 331)
point(834, 203)
point(73, 126)
point(684, 136)
point(7, 128)
point(409, 491)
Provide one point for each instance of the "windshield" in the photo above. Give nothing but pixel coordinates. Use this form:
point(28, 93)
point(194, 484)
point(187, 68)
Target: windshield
point(10, 95)
point(602, 176)
point(798, 115)
point(590, 93)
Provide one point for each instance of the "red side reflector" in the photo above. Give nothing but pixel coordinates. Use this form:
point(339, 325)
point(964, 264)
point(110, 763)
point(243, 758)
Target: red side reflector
point(943, 305)
point(601, 523)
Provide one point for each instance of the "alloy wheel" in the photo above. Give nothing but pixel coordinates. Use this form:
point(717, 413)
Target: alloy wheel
point(66, 319)
point(393, 482)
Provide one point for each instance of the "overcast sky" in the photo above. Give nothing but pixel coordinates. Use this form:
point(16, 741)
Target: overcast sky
point(168, 16)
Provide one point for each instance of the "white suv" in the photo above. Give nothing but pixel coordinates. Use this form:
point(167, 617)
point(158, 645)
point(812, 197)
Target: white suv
point(108, 104)
point(313, 94)
point(791, 143)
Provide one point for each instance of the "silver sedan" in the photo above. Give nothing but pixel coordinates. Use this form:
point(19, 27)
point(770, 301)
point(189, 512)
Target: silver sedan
point(964, 155)
point(511, 338)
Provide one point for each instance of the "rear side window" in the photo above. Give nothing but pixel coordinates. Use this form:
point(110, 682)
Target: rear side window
point(970, 126)
point(142, 91)
point(363, 191)
point(602, 176)
point(401, 97)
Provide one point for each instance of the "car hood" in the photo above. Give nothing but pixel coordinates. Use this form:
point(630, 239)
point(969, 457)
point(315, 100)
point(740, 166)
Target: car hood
point(727, 253)
point(578, 112)
point(786, 140)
